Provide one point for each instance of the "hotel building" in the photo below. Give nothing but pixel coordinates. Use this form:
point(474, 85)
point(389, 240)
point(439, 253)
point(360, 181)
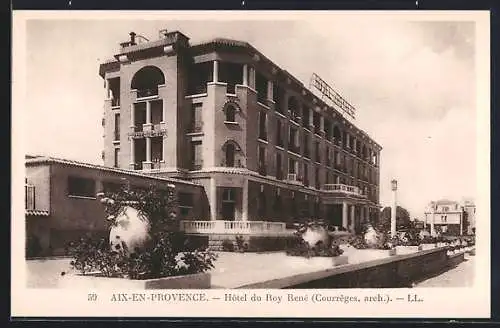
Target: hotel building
point(223, 116)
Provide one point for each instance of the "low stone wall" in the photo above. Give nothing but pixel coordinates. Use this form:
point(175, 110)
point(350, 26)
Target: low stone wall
point(254, 243)
point(398, 271)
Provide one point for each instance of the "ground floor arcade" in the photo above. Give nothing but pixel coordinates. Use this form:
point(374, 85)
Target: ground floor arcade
point(239, 197)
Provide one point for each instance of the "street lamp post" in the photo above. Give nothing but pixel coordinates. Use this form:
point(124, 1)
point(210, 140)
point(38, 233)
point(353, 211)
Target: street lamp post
point(394, 187)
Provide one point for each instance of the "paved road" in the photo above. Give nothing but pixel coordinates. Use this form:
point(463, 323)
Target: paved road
point(460, 276)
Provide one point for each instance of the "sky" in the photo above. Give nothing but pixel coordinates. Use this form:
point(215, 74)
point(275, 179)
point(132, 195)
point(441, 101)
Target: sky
point(412, 82)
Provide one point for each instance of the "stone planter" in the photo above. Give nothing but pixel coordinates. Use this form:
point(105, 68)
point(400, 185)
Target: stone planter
point(91, 281)
point(428, 246)
point(408, 249)
point(391, 252)
point(321, 262)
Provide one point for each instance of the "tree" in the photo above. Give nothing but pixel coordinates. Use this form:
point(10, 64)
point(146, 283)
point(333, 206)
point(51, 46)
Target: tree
point(402, 219)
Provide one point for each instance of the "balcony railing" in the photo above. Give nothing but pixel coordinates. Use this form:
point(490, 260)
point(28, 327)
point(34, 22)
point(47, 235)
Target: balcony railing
point(30, 197)
point(293, 177)
point(342, 188)
point(142, 93)
point(233, 227)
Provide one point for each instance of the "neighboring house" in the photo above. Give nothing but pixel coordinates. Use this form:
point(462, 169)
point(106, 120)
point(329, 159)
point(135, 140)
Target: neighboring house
point(448, 217)
point(61, 203)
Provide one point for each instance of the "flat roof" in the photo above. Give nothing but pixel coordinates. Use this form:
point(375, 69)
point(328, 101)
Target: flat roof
point(39, 160)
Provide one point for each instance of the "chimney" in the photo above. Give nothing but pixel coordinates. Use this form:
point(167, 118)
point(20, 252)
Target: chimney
point(163, 33)
point(132, 38)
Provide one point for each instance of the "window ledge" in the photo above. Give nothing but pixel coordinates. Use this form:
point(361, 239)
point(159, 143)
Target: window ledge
point(116, 142)
point(147, 98)
point(280, 114)
point(280, 147)
point(82, 197)
point(198, 95)
point(262, 140)
point(231, 123)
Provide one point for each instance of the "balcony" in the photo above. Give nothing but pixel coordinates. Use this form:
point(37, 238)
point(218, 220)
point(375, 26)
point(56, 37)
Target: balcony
point(234, 227)
point(344, 189)
point(293, 178)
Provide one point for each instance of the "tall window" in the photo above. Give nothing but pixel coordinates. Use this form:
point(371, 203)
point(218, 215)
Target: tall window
point(306, 145)
point(117, 157)
point(262, 125)
point(230, 113)
point(293, 140)
point(117, 126)
point(230, 150)
point(185, 201)
point(316, 122)
point(292, 169)
point(316, 177)
point(196, 155)
point(317, 152)
point(279, 170)
point(228, 204)
point(81, 187)
point(278, 95)
point(196, 118)
point(306, 175)
point(262, 205)
point(261, 88)
point(305, 117)
point(279, 137)
point(262, 160)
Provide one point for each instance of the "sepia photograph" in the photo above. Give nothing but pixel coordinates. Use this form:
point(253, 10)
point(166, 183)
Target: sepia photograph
point(269, 151)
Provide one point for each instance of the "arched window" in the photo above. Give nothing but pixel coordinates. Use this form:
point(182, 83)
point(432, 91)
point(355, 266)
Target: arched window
point(230, 155)
point(146, 81)
point(230, 113)
point(230, 148)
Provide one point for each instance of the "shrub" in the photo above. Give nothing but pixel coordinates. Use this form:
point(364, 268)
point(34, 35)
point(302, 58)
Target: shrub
point(227, 245)
point(241, 245)
point(165, 253)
